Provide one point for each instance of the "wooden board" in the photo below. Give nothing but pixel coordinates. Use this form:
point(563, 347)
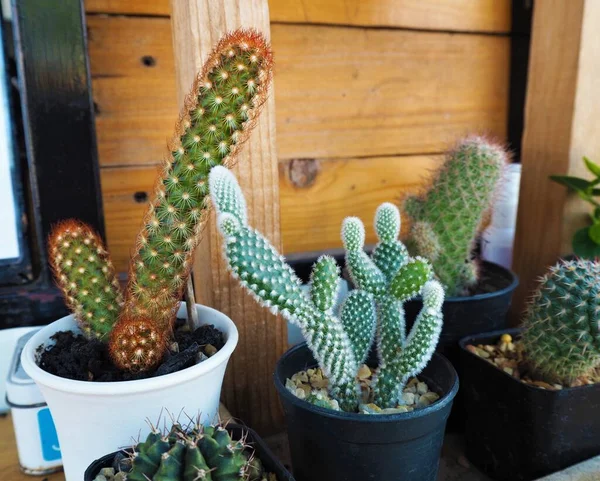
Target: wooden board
point(340, 92)
point(563, 105)
point(461, 15)
point(248, 389)
point(312, 208)
point(311, 216)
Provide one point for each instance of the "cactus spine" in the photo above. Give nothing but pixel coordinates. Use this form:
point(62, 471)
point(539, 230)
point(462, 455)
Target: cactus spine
point(86, 276)
point(217, 118)
point(339, 344)
point(447, 219)
point(197, 454)
point(562, 332)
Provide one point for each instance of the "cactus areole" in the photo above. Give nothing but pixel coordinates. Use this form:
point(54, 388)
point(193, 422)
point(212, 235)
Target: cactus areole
point(374, 312)
point(218, 115)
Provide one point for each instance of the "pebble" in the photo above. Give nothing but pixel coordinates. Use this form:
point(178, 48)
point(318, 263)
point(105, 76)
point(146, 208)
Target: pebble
point(210, 350)
point(312, 385)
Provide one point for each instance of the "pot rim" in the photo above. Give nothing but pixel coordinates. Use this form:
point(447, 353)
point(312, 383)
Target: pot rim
point(123, 388)
point(365, 418)
point(478, 297)
point(516, 331)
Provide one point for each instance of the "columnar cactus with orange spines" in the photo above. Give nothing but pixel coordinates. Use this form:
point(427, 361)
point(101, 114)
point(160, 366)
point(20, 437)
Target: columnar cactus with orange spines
point(216, 119)
point(86, 276)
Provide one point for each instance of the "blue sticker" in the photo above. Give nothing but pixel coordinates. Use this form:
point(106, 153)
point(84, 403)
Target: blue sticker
point(50, 447)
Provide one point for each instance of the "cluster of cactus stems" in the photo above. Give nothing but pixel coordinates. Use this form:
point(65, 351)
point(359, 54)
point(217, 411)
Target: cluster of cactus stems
point(374, 312)
point(447, 219)
point(562, 322)
point(218, 116)
point(193, 453)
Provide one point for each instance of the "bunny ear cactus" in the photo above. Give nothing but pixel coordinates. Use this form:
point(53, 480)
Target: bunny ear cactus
point(447, 219)
point(392, 277)
point(86, 276)
point(218, 116)
point(562, 322)
point(339, 344)
point(198, 454)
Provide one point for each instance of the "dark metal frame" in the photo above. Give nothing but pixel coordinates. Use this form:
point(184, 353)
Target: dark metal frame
point(60, 169)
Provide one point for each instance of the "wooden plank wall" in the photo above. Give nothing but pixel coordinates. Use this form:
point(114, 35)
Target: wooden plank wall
point(368, 94)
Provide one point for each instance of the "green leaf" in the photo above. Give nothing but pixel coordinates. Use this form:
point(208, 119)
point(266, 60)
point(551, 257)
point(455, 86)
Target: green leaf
point(594, 233)
point(596, 215)
point(584, 246)
point(592, 167)
point(574, 183)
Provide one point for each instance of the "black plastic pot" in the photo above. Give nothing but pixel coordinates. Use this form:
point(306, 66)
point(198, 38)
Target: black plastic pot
point(270, 462)
point(519, 432)
point(337, 446)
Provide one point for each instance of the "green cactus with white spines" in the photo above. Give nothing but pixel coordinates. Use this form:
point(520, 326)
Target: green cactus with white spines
point(392, 277)
point(562, 322)
point(196, 454)
point(447, 219)
point(339, 344)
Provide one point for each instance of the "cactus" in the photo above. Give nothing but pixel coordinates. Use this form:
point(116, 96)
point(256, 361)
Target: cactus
point(447, 219)
point(339, 344)
point(193, 454)
point(562, 333)
point(217, 118)
point(392, 277)
point(84, 273)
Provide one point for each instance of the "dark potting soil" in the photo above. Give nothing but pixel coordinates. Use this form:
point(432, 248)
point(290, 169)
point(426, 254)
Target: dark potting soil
point(489, 281)
point(75, 357)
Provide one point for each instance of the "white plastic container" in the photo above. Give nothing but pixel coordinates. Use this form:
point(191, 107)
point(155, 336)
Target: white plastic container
point(35, 433)
point(96, 418)
point(8, 341)
point(498, 239)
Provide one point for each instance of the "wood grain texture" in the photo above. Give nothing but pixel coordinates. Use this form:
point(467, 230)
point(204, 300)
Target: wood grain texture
point(563, 105)
point(461, 15)
point(340, 92)
point(248, 390)
point(312, 206)
point(311, 217)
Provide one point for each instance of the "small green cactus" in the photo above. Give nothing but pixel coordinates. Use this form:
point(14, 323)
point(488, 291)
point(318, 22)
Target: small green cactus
point(447, 219)
point(340, 344)
point(85, 274)
point(193, 454)
point(562, 322)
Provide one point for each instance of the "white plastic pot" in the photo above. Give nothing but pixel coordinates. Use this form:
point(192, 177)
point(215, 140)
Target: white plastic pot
point(95, 418)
